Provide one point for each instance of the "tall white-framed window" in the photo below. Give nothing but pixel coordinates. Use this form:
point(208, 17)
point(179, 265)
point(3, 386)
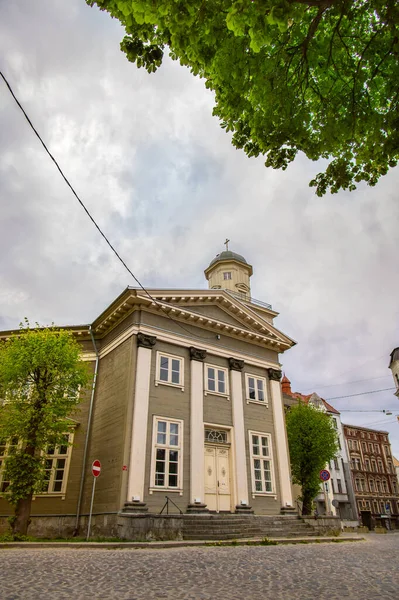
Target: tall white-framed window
point(216, 380)
point(56, 466)
point(167, 455)
point(6, 448)
point(262, 474)
point(169, 370)
point(227, 275)
point(255, 389)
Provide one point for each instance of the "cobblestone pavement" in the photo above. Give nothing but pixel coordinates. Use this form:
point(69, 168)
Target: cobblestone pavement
point(360, 571)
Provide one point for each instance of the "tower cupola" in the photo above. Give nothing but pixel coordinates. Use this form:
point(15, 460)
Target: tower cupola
point(229, 271)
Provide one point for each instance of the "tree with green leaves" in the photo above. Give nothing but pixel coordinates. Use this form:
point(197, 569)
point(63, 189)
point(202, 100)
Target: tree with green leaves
point(312, 76)
point(312, 441)
point(41, 373)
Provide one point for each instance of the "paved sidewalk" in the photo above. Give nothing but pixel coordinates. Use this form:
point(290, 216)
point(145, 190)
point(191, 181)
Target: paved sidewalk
point(361, 571)
point(349, 537)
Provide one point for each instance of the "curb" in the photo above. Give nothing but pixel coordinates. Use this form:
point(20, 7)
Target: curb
point(179, 544)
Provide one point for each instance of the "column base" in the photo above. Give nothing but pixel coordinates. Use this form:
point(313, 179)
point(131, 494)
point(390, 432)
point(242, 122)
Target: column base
point(135, 507)
point(288, 510)
point(197, 508)
point(243, 509)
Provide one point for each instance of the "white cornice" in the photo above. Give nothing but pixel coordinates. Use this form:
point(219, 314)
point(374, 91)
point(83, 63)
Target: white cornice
point(184, 342)
point(250, 327)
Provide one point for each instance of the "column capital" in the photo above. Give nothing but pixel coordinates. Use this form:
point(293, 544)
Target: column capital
point(274, 374)
point(145, 341)
point(197, 354)
point(235, 364)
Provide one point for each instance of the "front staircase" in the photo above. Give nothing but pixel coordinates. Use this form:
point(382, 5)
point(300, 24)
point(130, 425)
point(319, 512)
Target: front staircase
point(230, 527)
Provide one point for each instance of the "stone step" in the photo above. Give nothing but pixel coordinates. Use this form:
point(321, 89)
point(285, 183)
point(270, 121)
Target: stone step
point(249, 524)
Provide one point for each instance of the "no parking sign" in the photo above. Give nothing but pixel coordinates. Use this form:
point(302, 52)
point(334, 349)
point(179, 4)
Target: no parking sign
point(324, 475)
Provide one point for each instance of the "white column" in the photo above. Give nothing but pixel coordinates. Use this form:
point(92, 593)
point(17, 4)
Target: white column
point(280, 438)
point(135, 488)
point(239, 436)
point(197, 492)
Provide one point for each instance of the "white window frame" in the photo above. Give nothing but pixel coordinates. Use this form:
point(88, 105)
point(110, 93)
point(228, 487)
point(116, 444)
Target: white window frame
point(256, 400)
point(170, 357)
point(3, 457)
point(167, 447)
point(226, 381)
point(227, 276)
point(253, 457)
point(54, 458)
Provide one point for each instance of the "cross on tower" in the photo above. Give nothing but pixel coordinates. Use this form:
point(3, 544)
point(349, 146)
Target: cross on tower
point(226, 243)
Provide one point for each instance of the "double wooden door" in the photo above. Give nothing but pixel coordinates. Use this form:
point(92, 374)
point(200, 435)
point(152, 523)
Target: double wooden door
point(217, 478)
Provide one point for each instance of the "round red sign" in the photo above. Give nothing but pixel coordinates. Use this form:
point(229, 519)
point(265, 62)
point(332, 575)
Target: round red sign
point(324, 475)
point(96, 468)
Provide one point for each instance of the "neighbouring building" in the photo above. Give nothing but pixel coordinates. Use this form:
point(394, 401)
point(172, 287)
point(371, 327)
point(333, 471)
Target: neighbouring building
point(186, 403)
point(338, 491)
point(396, 465)
point(373, 474)
point(394, 366)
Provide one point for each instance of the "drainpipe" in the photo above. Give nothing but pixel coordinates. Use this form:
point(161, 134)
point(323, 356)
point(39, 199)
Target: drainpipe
point(82, 479)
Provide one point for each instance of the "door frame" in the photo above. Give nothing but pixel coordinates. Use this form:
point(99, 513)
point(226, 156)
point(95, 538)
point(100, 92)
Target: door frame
point(232, 458)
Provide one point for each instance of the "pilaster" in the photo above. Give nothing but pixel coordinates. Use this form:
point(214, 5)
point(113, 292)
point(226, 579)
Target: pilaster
point(137, 464)
point(197, 490)
point(241, 477)
point(280, 439)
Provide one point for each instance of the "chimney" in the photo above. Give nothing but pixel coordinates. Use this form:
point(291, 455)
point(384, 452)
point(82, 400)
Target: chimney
point(286, 385)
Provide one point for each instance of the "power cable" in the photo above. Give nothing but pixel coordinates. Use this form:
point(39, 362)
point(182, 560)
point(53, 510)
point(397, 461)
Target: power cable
point(93, 220)
point(321, 387)
point(378, 422)
point(366, 411)
point(361, 394)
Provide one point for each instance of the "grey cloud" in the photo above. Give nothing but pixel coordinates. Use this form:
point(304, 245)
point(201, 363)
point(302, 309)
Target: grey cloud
point(164, 182)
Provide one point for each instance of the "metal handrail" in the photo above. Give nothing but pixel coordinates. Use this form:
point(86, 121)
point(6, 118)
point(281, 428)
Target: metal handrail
point(245, 298)
point(166, 505)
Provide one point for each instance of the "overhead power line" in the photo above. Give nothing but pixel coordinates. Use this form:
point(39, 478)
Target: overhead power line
point(385, 421)
point(361, 394)
point(387, 411)
point(94, 221)
point(322, 387)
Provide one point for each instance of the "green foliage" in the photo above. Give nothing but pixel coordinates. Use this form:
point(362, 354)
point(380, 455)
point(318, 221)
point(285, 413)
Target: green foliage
point(11, 537)
point(267, 542)
point(41, 374)
point(289, 76)
point(312, 441)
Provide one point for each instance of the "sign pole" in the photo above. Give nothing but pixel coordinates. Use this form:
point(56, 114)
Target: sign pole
point(91, 508)
point(96, 470)
point(325, 476)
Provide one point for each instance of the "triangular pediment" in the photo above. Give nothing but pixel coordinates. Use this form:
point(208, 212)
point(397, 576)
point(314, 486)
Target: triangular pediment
point(215, 310)
point(219, 313)
point(227, 309)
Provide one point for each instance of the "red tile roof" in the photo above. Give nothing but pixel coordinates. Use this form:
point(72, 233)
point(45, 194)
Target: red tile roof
point(303, 397)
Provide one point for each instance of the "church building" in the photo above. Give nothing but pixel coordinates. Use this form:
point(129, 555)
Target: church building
point(186, 403)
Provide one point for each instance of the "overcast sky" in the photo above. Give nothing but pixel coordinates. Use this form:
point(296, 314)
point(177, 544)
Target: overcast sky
point(167, 187)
